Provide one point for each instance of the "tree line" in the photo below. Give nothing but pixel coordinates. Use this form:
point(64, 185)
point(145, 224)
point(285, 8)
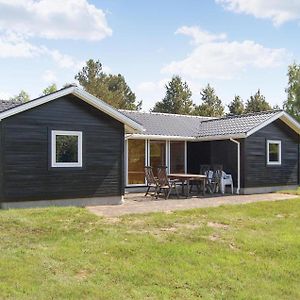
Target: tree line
point(114, 90)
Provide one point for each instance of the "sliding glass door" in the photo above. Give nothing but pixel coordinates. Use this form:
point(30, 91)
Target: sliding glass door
point(153, 153)
point(157, 154)
point(136, 161)
point(177, 157)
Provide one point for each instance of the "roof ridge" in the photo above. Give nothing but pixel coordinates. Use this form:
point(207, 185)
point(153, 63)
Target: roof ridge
point(245, 115)
point(164, 114)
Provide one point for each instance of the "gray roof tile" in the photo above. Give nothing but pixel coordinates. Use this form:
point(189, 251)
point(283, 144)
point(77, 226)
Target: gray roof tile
point(8, 104)
point(234, 124)
point(166, 124)
point(163, 124)
point(195, 126)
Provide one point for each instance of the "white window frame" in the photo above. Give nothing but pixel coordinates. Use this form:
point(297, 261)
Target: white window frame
point(54, 163)
point(272, 163)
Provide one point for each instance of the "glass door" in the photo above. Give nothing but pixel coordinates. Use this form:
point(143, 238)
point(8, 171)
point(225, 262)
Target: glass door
point(157, 154)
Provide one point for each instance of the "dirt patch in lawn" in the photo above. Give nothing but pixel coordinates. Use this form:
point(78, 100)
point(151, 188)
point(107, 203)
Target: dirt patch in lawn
point(217, 225)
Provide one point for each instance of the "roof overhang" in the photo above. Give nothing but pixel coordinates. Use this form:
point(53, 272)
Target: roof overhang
point(130, 125)
point(283, 116)
point(185, 138)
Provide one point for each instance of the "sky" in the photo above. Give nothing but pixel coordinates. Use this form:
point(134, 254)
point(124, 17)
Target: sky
point(238, 46)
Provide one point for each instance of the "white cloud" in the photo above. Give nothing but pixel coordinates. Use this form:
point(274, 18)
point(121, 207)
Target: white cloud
point(14, 45)
point(151, 92)
point(22, 20)
point(49, 76)
point(213, 57)
point(54, 19)
point(279, 11)
point(200, 36)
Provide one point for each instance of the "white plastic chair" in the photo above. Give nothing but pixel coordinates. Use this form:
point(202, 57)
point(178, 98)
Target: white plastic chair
point(226, 180)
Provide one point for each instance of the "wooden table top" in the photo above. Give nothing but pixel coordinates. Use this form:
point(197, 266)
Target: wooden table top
point(186, 176)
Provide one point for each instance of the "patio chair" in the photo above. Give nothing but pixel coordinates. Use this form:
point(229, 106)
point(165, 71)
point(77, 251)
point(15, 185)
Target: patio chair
point(209, 183)
point(217, 167)
point(204, 168)
point(213, 180)
point(226, 180)
point(165, 183)
point(151, 181)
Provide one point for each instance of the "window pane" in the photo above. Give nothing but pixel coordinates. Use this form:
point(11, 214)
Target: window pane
point(136, 161)
point(157, 154)
point(273, 152)
point(177, 157)
point(66, 148)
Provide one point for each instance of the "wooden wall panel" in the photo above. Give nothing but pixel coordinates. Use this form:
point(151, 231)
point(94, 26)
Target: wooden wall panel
point(26, 153)
point(257, 172)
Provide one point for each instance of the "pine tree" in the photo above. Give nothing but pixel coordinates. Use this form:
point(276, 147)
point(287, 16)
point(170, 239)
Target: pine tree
point(211, 104)
point(177, 99)
point(236, 106)
point(257, 103)
point(110, 88)
point(50, 89)
point(22, 96)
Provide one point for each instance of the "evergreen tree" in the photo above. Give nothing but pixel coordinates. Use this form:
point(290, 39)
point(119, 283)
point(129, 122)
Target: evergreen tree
point(177, 99)
point(292, 104)
point(211, 104)
point(236, 106)
point(50, 89)
point(257, 103)
point(110, 88)
point(22, 96)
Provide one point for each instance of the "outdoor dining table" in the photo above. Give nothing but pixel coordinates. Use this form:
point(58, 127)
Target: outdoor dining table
point(187, 178)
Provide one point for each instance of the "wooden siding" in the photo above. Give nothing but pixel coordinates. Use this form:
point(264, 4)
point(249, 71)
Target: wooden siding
point(257, 173)
point(198, 153)
point(26, 155)
point(1, 165)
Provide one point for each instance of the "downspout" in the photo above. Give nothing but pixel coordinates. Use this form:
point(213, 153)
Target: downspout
point(238, 165)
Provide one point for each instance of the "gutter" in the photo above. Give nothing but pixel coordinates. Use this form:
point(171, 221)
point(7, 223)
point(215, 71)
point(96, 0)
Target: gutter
point(238, 164)
point(186, 138)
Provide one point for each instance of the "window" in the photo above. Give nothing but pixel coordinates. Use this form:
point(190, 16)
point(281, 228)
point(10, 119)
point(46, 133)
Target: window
point(273, 152)
point(177, 157)
point(136, 161)
point(66, 148)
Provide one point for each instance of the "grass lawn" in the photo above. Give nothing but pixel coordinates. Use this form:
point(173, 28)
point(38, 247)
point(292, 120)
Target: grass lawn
point(292, 192)
point(232, 252)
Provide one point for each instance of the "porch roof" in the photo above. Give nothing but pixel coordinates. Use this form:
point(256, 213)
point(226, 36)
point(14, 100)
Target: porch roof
point(163, 124)
point(171, 126)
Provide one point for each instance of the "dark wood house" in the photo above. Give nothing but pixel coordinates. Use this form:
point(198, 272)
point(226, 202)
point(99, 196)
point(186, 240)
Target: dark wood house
point(260, 150)
point(70, 148)
point(66, 148)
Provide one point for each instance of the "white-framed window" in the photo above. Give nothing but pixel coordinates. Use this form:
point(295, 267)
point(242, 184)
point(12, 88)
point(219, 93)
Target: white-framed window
point(66, 149)
point(273, 152)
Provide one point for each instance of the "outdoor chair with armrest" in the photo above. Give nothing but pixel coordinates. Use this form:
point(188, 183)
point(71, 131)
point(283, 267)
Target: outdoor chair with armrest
point(213, 180)
point(164, 183)
point(151, 181)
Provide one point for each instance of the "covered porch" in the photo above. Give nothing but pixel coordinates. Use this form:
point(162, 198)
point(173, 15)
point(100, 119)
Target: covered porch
point(186, 157)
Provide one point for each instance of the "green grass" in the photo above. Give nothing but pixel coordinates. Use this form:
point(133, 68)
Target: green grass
point(292, 192)
point(232, 252)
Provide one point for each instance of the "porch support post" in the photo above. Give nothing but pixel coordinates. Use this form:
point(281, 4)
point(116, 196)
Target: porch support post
point(238, 165)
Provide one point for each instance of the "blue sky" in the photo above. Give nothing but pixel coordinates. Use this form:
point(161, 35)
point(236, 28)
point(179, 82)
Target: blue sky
point(237, 46)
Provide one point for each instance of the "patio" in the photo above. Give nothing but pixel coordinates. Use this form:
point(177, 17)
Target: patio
point(136, 203)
